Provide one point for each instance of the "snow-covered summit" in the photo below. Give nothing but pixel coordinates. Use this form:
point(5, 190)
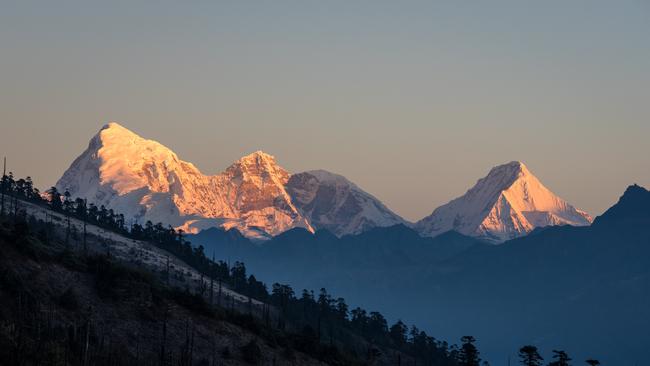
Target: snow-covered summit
point(147, 181)
point(509, 202)
point(330, 201)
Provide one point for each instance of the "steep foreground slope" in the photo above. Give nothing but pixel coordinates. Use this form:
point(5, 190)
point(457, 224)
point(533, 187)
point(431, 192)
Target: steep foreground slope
point(59, 308)
point(146, 181)
point(509, 202)
point(80, 290)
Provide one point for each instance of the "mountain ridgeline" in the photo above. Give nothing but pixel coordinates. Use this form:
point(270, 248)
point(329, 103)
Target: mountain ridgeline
point(581, 288)
point(146, 181)
point(78, 287)
point(556, 280)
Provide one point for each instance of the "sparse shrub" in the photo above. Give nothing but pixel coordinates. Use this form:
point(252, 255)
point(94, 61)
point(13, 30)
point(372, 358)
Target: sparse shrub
point(251, 352)
point(288, 354)
point(70, 260)
point(246, 321)
point(69, 300)
point(10, 281)
point(193, 302)
point(225, 353)
point(116, 280)
point(203, 362)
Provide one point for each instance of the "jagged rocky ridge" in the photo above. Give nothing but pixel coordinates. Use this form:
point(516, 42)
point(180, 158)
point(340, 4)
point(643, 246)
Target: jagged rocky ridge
point(146, 181)
point(330, 201)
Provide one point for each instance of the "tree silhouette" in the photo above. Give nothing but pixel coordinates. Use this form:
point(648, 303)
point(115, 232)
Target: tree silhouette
point(341, 310)
point(560, 358)
point(528, 356)
point(592, 362)
point(55, 199)
point(3, 184)
point(308, 312)
point(398, 333)
point(468, 354)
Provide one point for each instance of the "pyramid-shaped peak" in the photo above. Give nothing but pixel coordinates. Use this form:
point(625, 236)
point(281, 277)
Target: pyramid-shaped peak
point(258, 164)
point(115, 127)
point(513, 168)
point(112, 124)
point(509, 202)
point(114, 130)
point(502, 176)
point(258, 159)
point(257, 155)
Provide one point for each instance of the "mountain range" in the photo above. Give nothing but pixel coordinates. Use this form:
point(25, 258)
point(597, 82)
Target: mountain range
point(584, 289)
point(557, 279)
point(147, 181)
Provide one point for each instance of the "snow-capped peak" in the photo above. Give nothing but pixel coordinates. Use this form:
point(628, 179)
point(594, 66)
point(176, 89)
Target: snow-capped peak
point(145, 180)
point(509, 202)
point(258, 168)
point(330, 201)
point(258, 156)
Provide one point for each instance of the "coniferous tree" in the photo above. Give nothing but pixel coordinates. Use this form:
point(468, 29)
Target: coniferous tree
point(529, 356)
point(398, 333)
point(55, 199)
point(3, 184)
point(359, 319)
point(67, 209)
point(377, 327)
point(30, 192)
point(341, 310)
point(468, 354)
point(560, 358)
point(592, 362)
point(333, 313)
point(282, 295)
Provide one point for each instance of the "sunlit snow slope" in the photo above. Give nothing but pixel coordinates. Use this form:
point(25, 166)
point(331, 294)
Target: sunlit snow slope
point(332, 202)
point(508, 203)
point(146, 181)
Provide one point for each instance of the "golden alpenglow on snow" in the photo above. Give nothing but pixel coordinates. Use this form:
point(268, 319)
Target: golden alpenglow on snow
point(509, 202)
point(146, 181)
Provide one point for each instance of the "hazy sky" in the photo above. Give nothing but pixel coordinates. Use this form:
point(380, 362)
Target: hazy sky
point(413, 101)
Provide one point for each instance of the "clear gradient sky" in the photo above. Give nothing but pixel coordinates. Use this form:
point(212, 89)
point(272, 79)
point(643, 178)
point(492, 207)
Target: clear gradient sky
point(413, 101)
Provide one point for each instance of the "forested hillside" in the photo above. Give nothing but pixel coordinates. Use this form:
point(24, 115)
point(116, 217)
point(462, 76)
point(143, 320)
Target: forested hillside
point(561, 287)
point(79, 287)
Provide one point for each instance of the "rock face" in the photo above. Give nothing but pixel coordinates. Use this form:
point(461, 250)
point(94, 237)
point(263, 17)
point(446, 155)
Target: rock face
point(330, 201)
point(146, 181)
point(509, 202)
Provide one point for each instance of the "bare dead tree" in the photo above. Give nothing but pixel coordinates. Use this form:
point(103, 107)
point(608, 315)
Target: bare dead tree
point(219, 298)
point(4, 174)
point(85, 221)
point(87, 341)
point(164, 337)
point(167, 271)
